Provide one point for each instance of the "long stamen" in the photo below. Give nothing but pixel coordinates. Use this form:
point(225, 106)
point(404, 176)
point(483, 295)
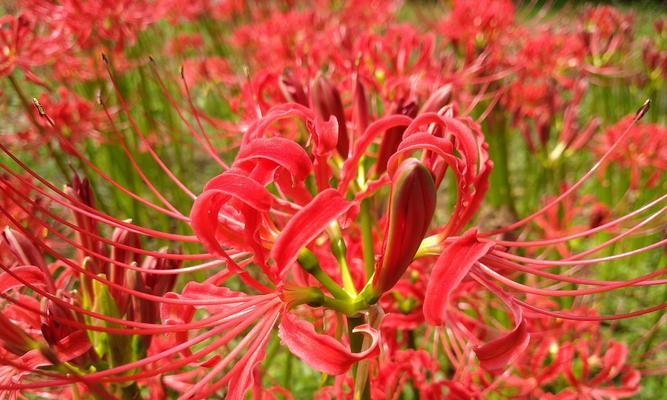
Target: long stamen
point(588, 232)
point(640, 113)
point(79, 207)
point(580, 262)
point(174, 213)
point(237, 307)
point(207, 142)
point(574, 292)
point(187, 123)
point(576, 317)
point(36, 205)
point(136, 129)
point(135, 164)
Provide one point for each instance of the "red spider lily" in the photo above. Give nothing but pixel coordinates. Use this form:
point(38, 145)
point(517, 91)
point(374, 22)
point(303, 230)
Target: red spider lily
point(548, 67)
point(207, 69)
point(74, 117)
point(191, 10)
point(654, 52)
point(576, 353)
point(23, 45)
point(606, 31)
point(472, 25)
point(644, 149)
point(122, 20)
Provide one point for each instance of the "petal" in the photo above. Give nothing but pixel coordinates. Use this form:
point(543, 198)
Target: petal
point(204, 219)
point(307, 224)
point(32, 275)
point(322, 352)
point(449, 270)
point(351, 165)
point(276, 113)
point(495, 355)
point(325, 136)
point(73, 345)
point(242, 188)
point(284, 152)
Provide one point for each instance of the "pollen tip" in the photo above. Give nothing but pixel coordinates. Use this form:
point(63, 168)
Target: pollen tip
point(38, 106)
point(105, 58)
point(643, 109)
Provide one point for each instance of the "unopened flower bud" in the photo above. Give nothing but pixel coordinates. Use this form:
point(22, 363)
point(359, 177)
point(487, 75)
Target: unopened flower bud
point(83, 192)
point(292, 88)
point(361, 112)
point(123, 237)
point(53, 328)
point(392, 138)
point(23, 248)
point(411, 207)
point(326, 100)
point(438, 99)
point(13, 338)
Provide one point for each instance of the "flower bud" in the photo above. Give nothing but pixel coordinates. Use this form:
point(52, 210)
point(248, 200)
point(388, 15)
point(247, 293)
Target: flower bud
point(82, 191)
point(13, 338)
point(120, 254)
point(392, 138)
point(23, 248)
point(52, 327)
point(159, 284)
point(26, 253)
point(361, 112)
point(326, 100)
point(292, 88)
point(411, 208)
point(438, 99)
point(156, 284)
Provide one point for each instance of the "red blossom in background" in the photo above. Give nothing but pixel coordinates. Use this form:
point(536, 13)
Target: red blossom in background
point(645, 148)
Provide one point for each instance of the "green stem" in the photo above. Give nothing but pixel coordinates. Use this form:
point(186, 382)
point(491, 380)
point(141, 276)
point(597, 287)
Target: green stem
point(503, 167)
point(311, 264)
point(339, 250)
point(367, 241)
point(287, 373)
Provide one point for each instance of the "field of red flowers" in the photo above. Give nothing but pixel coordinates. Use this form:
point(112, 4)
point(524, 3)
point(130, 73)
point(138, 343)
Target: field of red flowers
point(328, 199)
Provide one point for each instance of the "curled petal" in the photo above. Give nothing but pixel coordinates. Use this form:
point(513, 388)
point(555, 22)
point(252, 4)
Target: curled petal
point(283, 152)
point(451, 267)
point(495, 355)
point(23, 248)
point(204, 220)
point(325, 136)
point(322, 352)
point(73, 345)
point(242, 188)
point(277, 113)
point(205, 214)
point(307, 224)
